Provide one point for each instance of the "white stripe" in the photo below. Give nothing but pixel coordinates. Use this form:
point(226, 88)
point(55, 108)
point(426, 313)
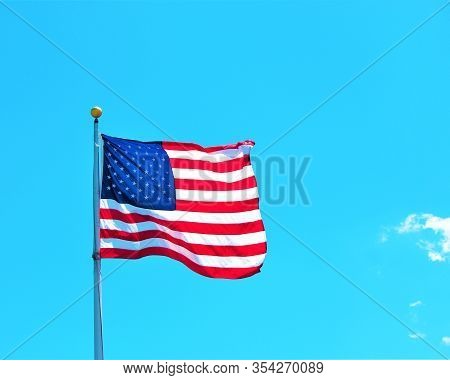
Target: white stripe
point(217, 196)
point(188, 237)
point(219, 156)
point(208, 175)
point(203, 260)
point(185, 216)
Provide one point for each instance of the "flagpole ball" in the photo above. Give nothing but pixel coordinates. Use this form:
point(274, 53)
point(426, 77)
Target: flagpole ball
point(96, 112)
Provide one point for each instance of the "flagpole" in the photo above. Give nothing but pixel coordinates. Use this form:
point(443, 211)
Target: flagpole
point(96, 112)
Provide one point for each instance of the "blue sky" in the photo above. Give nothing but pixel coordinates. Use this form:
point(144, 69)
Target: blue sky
point(214, 73)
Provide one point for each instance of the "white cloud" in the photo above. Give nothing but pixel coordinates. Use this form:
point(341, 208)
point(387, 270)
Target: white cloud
point(436, 250)
point(434, 256)
point(446, 340)
point(410, 224)
point(417, 335)
point(415, 303)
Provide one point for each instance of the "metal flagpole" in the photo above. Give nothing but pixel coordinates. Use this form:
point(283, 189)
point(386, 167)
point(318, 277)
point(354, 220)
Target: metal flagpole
point(96, 112)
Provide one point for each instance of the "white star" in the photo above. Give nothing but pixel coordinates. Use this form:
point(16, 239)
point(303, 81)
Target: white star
point(132, 195)
point(109, 166)
point(108, 187)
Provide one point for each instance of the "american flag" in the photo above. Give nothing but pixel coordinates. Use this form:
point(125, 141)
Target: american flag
point(197, 205)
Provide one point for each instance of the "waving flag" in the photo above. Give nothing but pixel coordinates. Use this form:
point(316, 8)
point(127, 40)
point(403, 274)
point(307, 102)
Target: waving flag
point(193, 204)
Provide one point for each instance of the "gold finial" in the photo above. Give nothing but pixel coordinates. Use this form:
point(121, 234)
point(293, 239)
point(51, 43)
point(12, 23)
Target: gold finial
point(96, 112)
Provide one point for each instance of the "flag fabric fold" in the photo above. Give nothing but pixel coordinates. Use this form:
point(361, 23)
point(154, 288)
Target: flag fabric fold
point(197, 205)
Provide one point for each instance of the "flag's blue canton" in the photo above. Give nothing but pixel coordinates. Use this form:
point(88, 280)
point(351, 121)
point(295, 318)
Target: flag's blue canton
point(137, 173)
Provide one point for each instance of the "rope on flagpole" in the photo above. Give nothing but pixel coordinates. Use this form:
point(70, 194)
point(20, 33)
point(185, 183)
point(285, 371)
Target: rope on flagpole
point(96, 112)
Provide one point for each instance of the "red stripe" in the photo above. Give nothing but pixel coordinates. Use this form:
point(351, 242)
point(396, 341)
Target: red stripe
point(202, 228)
point(170, 145)
point(195, 184)
point(226, 273)
point(198, 249)
point(238, 206)
point(218, 167)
